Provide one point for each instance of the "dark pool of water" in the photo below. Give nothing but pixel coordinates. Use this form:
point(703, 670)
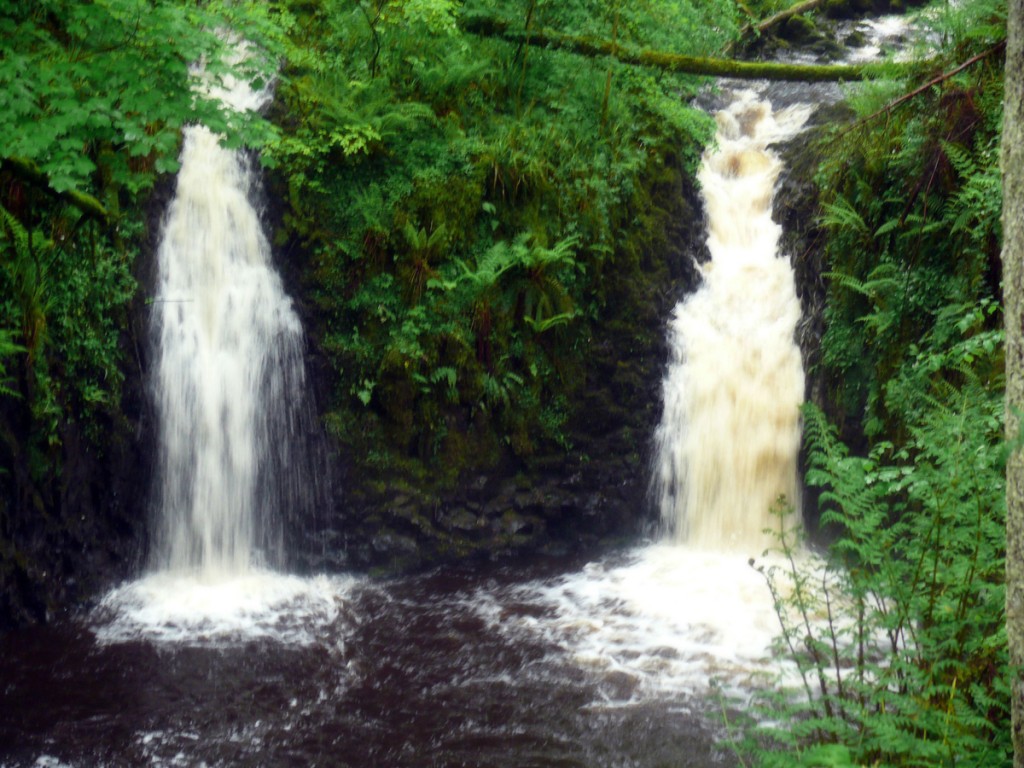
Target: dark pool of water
point(410, 675)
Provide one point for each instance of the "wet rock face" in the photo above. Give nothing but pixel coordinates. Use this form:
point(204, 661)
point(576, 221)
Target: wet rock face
point(803, 240)
point(556, 502)
point(62, 543)
point(562, 503)
point(853, 9)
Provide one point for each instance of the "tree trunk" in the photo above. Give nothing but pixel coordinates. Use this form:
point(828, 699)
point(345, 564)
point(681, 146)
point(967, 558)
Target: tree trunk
point(1013, 295)
point(693, 65)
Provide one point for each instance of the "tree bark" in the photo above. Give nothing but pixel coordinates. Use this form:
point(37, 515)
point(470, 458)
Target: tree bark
point(1012, 160)
point(693, 65)
point(86, 203)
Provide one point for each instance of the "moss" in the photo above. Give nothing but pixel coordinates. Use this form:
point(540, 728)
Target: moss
point(799, 30)
point(855, 39)
point(675, 62)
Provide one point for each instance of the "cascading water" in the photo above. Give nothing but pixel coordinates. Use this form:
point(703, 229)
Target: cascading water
point(234, 421)
point(229, 375)
point(730, 433)
point(229, 380)
point(666, 619)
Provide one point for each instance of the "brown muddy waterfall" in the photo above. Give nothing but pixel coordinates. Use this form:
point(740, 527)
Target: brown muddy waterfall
point(728, 441)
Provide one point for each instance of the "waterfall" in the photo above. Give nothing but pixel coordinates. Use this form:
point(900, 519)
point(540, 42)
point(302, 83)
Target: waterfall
point(730, 433)
point(238, 448)
point(229, 379)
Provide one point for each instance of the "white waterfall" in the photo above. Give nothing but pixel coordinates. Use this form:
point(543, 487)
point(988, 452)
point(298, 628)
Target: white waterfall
point(229, 367)
point(730, 433)
point(233, 423)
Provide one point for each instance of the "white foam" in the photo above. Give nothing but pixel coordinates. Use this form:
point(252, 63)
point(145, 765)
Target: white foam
point(238, 93)
point(883, 32)
point(48, 761)
point(184, 609)
point(669, 621)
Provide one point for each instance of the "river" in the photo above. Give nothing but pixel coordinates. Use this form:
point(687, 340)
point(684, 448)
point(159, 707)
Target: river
point(471, 666)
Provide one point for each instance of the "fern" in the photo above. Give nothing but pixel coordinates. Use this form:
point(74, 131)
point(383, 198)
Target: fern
point(972, 26)
point(977, 205)
point(8, 350)
point(883, 278)
point(841, 214)
point(18, 235)
point(448, 376)
point(916, 572)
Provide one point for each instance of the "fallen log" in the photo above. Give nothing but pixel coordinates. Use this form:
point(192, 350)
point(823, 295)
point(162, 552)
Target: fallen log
point(673, 62)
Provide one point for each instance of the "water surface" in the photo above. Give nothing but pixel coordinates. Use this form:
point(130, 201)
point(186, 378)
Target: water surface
point(536, 663)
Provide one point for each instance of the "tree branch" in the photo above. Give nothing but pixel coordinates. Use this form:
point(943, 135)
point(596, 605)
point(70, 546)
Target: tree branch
point(927, 86)
point(771, 21)
point(86, 203)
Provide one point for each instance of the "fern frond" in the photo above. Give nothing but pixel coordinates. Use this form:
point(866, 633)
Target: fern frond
point(820, 437)
point(882, 278)
point(8, 349)
point(842, 215)
point(17, 233)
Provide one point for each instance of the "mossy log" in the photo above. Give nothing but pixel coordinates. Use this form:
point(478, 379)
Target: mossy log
point(29, 171)
point(673, 62)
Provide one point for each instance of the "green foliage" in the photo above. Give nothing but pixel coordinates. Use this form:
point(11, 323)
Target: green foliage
point(467, 202)
point(912, 209)
point(8, 349)
point(897, 633)
point(93, 97)
point(964, 28)
point(107, 86)
point(68, 314)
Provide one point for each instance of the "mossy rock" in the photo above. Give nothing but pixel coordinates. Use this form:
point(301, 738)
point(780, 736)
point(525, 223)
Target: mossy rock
point(855, 9)
point(462, 520)
point(799, 30)
point(856, 39)
point(848, 9)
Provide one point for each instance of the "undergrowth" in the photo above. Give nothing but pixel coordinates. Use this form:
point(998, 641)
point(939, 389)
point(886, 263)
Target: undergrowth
point(898, 632)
